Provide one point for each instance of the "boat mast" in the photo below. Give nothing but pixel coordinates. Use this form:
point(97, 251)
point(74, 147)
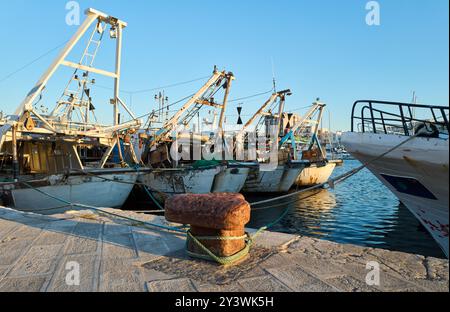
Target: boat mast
point(118, 26)
point(26, 107)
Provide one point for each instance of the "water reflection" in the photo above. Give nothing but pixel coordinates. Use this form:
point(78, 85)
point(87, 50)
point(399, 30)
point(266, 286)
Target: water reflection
point(360, 211)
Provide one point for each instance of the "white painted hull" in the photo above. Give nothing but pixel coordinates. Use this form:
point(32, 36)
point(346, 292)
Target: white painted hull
point(181, 180)
point(279, 180)
point(230, 180)
point(422, 159)
point(315, 174)
point(86, 190)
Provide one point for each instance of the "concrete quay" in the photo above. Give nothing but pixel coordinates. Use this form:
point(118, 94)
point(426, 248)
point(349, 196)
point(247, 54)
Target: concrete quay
point(87, 251)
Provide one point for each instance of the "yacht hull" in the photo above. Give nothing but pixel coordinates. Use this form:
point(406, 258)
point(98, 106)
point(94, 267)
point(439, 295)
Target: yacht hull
point(417, 173)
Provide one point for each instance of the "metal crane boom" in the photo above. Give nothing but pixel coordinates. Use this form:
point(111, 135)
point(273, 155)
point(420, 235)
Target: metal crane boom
point(272, 99)
point(26, 107)
point(171, 124)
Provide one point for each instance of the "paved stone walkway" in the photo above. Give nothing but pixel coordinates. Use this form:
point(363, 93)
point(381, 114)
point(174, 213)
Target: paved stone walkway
point(39, 253)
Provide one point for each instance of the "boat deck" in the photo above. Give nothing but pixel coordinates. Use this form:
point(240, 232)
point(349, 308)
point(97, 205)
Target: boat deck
point(37, 253)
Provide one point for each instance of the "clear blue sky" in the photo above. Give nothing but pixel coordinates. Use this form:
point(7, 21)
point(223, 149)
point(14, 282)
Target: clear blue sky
point(320, 48)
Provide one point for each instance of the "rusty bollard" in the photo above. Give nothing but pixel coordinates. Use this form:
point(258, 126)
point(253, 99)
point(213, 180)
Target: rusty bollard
point(216, 220)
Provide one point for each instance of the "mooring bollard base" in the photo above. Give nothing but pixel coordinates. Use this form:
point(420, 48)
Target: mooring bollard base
point(223, 243)
point(217, 223)
point(196, 249)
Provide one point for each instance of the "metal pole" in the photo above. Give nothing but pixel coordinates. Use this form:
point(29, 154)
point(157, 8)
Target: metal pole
point(280, 113)
point(225, 100)
point(222, 113)
point(117, 78)
point(119, 148)
point(14, 154)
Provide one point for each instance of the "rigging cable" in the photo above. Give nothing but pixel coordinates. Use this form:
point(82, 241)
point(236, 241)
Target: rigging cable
point(32, 62)
point(157, 88)
point(250, 96)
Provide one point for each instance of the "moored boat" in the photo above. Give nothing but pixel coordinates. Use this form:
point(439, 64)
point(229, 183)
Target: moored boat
point(272, 177)
point(172, 176)
point(97, 188)
point(279, 180)
point(315, 173)
point(232, 178)
point(302, 135)
point(58, 161)
point(181, 180)
point(417, 168)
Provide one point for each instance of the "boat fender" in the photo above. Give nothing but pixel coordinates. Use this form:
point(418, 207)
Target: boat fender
point(425, 130)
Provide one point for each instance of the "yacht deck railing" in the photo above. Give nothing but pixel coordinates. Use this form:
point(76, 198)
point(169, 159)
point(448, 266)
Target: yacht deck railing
point(397, 118)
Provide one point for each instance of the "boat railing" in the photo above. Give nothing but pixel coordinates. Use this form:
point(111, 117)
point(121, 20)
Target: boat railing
point(397, 118)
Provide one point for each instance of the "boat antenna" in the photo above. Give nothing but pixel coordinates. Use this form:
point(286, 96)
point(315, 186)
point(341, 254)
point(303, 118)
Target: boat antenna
point(274, 82)
point(414, 101)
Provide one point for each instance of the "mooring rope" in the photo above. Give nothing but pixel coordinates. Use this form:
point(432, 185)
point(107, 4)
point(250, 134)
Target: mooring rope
point(170, 228)
point(250, 238)
point(340, 178)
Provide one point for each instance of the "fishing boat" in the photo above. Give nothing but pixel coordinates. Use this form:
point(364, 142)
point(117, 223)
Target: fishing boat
point(301, 133)
point(51, 162)
point(279, 180)
point(175, 176)
point(316, 173)
point(280, 176)
point(416, 169)
point(232, 178)
point(166, 182)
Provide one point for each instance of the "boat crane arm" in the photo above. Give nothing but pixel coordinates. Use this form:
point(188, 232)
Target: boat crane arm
point(25, 109)
point(317, 106)
point(132, 124)
point(272, 98)
point(92, 16)
point(260, 111)
point(171, 124)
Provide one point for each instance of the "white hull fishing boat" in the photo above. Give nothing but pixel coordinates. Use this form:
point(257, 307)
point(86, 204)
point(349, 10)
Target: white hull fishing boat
point(417, 171)
point(316, 173)
point(308, 148)
point(267, 178)
point(232, 178)
point(173, 181)
point(102, 190)
point(279, 180)
point(177, 176)
point(59, 161)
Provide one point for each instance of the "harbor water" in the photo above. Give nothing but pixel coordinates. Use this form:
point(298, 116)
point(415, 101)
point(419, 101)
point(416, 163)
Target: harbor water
point(360, 210)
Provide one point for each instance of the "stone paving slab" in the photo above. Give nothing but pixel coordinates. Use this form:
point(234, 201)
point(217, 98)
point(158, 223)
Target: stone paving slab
point(38, 253)
point(172, 285)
